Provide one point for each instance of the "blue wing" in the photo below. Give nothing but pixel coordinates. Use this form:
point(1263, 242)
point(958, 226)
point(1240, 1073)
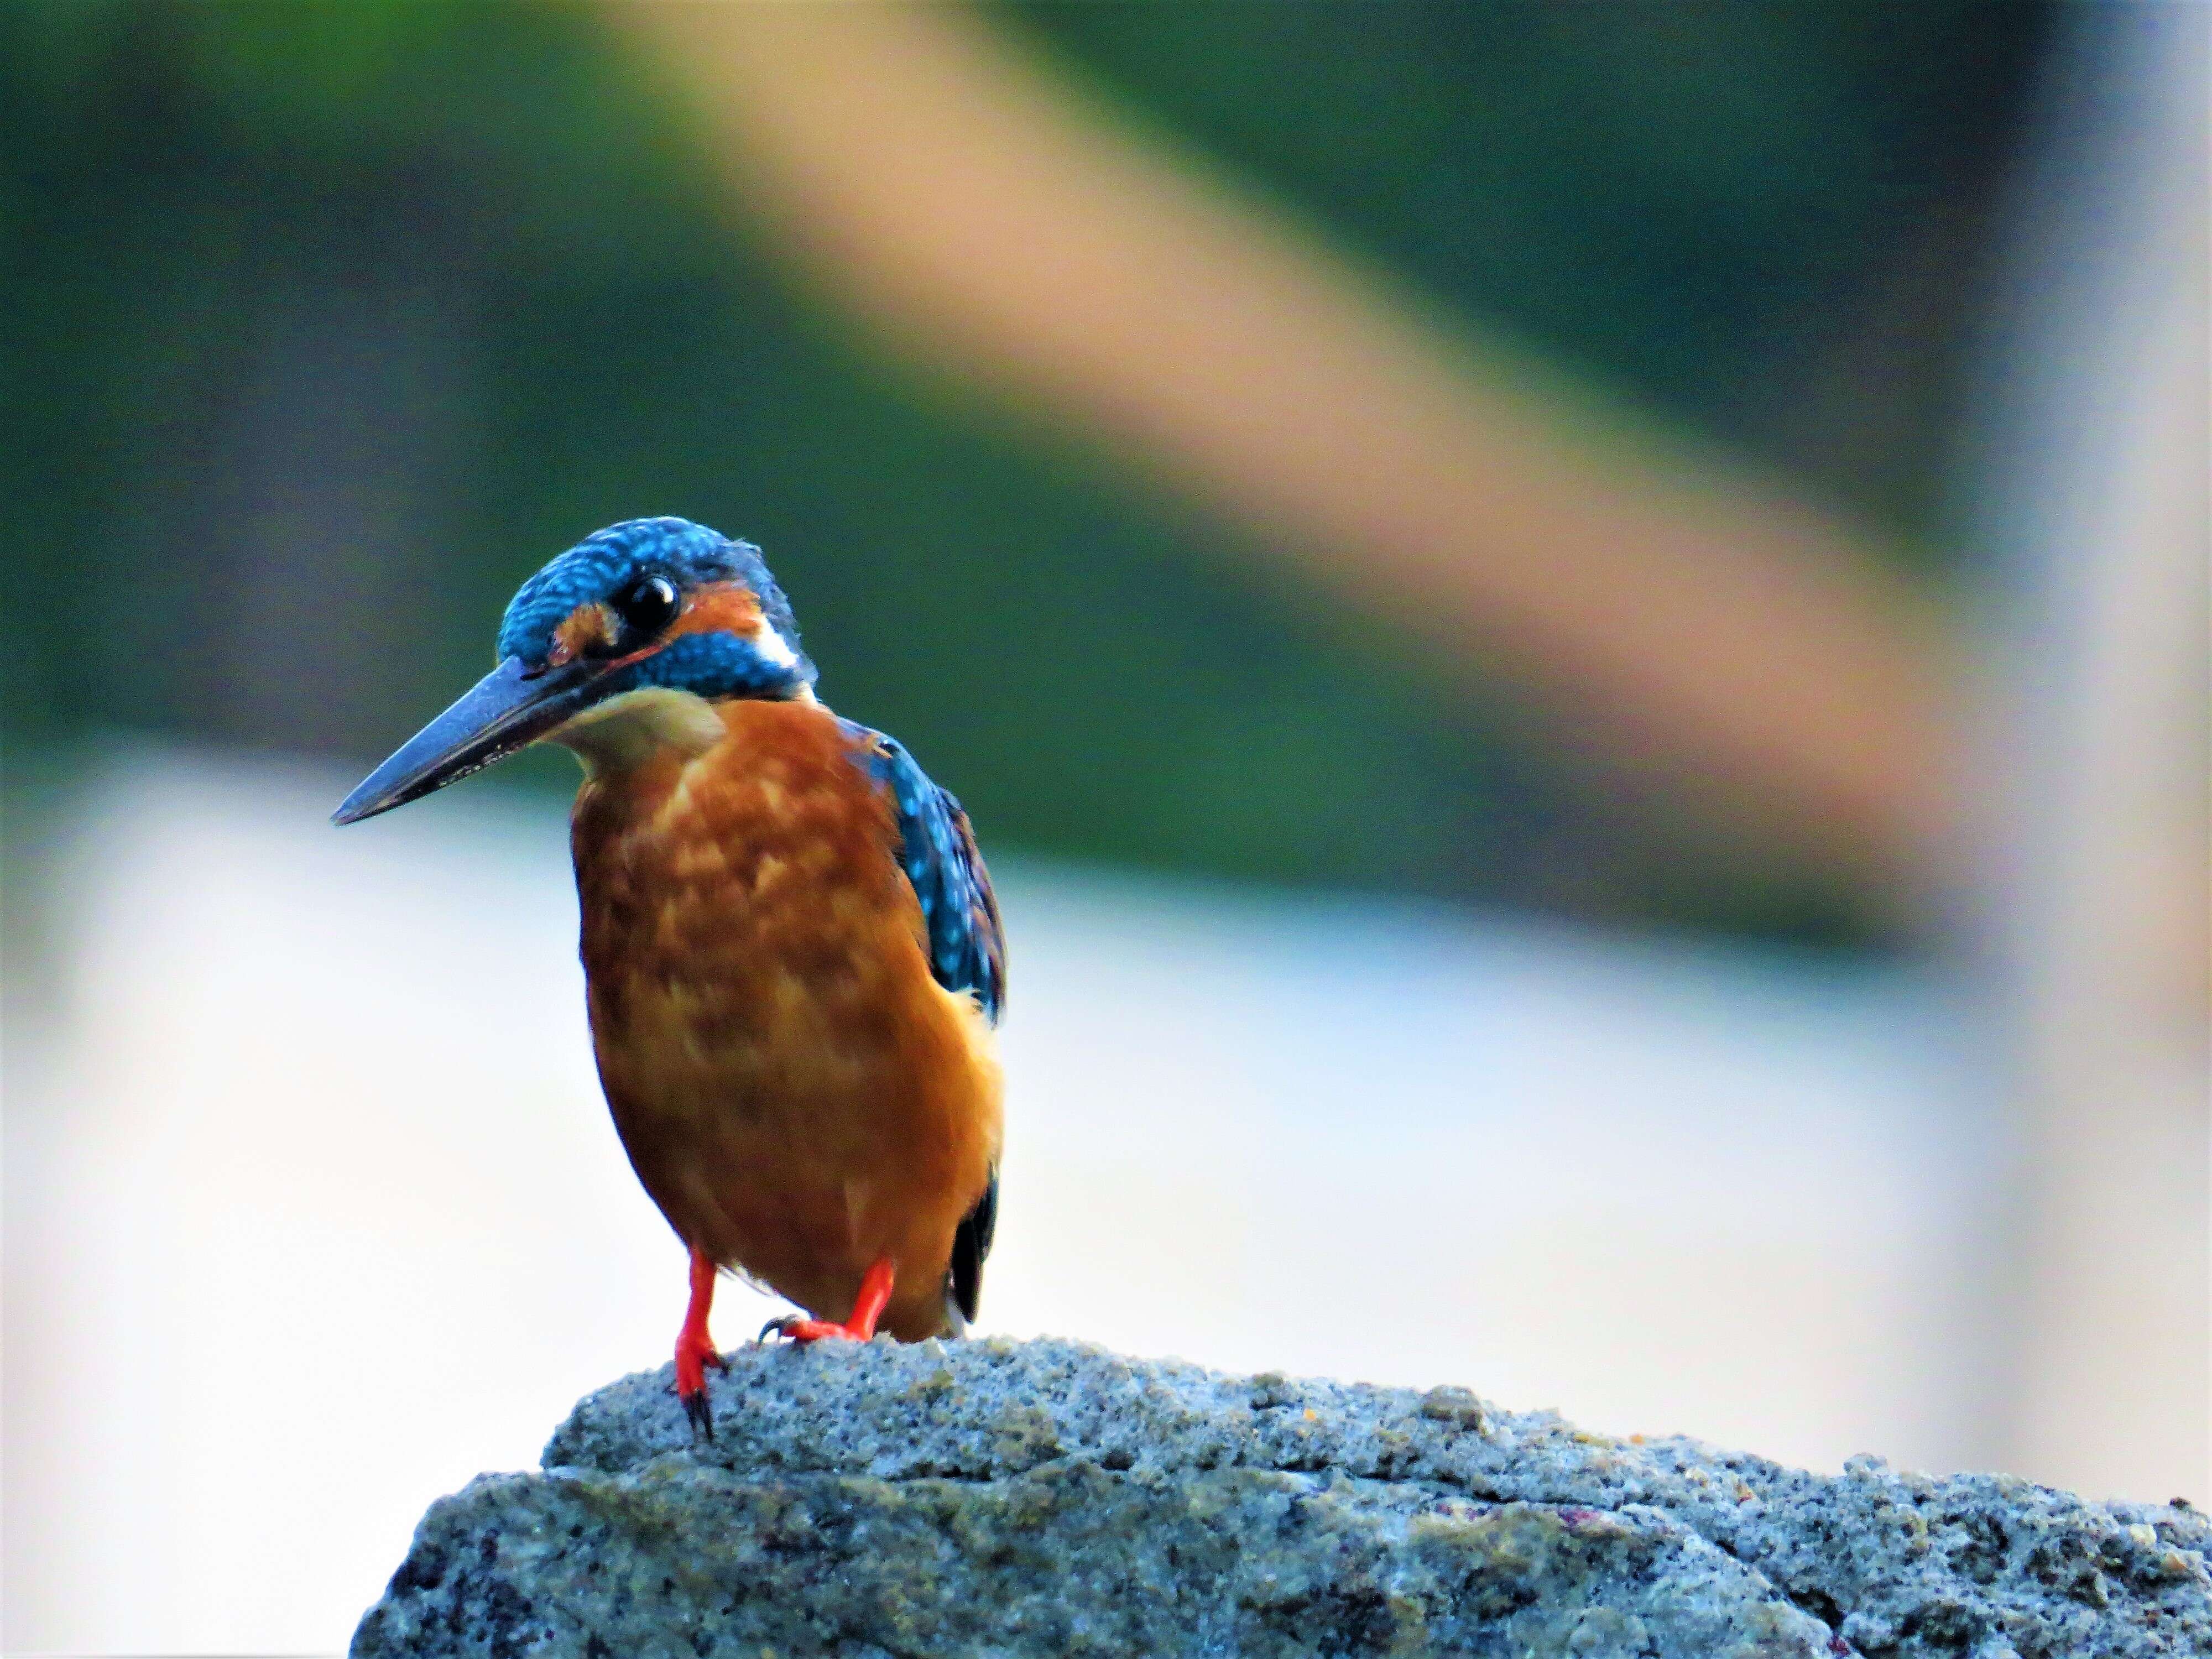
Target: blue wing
point(967, 943)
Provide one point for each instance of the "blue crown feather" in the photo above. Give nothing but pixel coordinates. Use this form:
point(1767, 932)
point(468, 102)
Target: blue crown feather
point(689, 555)
point(603, 564)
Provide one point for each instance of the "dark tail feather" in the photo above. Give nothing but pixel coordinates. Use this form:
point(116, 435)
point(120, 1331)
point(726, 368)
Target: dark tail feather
point(971, 1242)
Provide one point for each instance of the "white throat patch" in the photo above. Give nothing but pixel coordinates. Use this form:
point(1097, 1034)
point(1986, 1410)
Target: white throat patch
point(627, 729)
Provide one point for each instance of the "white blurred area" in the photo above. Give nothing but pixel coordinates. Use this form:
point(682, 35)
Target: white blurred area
point(2093, 496)
point(313, 1210)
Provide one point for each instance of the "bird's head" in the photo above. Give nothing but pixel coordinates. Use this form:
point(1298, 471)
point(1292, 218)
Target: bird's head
point(626, 639)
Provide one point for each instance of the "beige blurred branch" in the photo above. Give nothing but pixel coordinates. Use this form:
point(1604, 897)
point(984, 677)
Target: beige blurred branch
point(958, 193)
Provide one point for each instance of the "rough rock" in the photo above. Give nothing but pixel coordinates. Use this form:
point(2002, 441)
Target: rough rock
point(1049, 1497)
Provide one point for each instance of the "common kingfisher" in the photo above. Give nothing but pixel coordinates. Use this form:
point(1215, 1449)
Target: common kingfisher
point(793, 962)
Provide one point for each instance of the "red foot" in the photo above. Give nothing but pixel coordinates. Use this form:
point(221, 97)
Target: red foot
point(868, 1308)
point(695, 1348)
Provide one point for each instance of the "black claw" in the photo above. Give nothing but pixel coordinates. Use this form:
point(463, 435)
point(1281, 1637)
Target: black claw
point(776, 1326)
point(702, 1415)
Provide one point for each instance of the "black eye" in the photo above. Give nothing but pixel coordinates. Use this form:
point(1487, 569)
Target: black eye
point(647, 605)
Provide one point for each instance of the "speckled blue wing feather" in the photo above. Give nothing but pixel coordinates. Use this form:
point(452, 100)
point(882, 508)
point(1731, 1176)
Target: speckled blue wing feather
point(967, 945)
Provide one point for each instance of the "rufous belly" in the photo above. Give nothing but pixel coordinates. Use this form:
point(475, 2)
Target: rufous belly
point(794, 1089)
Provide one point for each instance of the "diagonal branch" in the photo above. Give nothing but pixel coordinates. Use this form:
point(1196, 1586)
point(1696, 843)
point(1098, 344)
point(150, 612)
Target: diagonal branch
point(1694, 626)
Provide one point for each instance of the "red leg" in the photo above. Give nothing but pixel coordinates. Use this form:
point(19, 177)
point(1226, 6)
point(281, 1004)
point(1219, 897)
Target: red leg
point(695, 1348)
point(868, 1308)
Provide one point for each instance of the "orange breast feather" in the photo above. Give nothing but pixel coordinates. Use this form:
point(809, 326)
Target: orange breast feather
point(795, 1090)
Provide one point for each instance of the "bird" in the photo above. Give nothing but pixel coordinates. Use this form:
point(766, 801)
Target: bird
point(793, 960)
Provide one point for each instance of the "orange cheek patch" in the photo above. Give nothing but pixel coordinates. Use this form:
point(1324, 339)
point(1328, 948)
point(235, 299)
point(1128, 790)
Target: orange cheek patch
point(586, 629)
point(593, 629)
point(719, 608)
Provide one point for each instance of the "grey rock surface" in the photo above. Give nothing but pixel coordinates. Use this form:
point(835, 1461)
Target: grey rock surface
point(1049, 1497)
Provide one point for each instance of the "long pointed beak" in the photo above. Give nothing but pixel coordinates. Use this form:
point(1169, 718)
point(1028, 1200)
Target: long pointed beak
point(504, 711)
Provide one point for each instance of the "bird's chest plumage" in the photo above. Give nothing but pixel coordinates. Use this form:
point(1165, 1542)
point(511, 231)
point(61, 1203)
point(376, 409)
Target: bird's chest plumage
point(795, 1090)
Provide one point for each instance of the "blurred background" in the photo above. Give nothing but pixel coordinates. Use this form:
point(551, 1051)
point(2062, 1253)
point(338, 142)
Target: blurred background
point(1578, 636)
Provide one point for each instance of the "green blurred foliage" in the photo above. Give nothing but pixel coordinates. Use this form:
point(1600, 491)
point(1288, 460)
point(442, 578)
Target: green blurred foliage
point(329, 324)
point(1705, 202)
